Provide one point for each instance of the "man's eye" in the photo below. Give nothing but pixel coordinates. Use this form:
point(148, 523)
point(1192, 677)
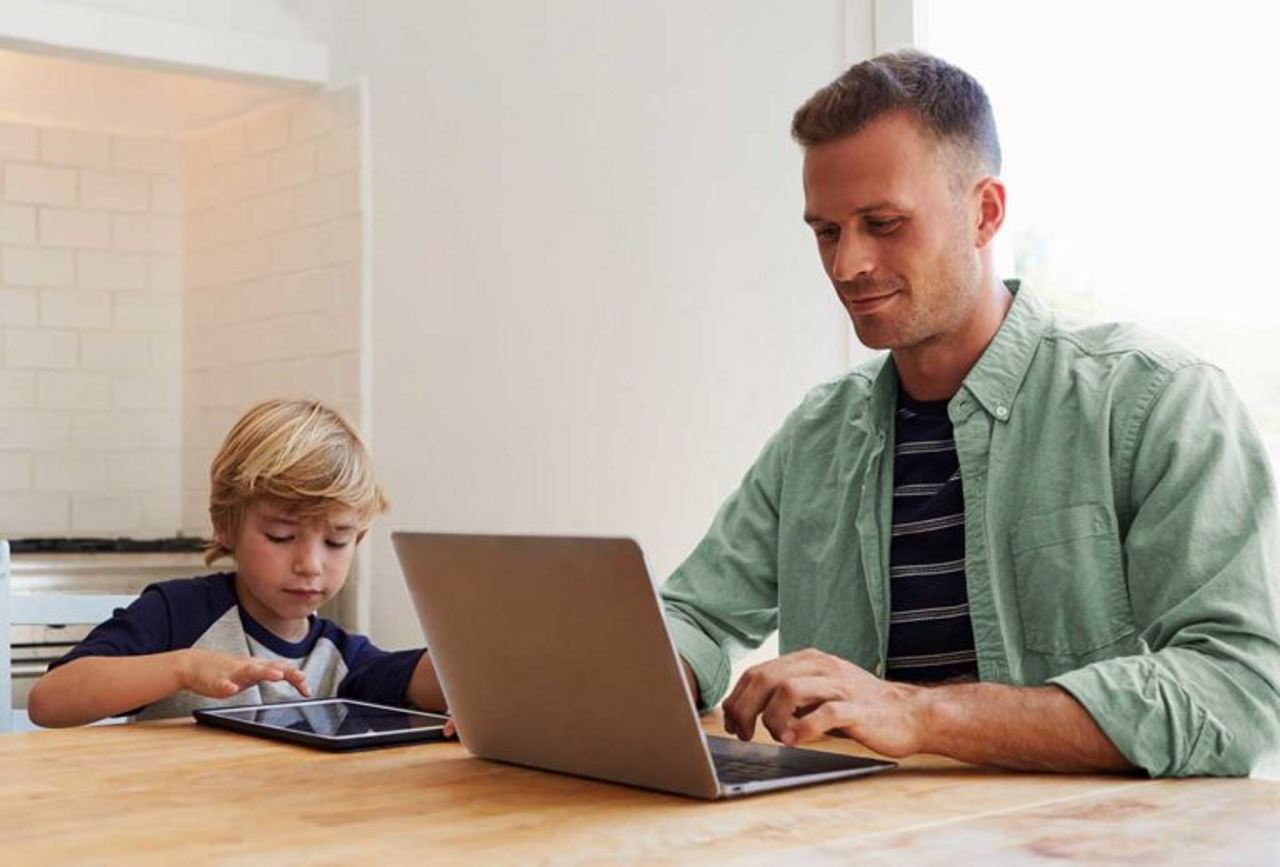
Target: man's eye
point(884, 227)
point(827, 233)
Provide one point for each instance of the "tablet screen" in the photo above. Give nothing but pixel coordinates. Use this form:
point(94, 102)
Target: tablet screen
point(336, 718)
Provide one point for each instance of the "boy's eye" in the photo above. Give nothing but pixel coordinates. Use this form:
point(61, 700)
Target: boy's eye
point(278, 539)
point(337, 543)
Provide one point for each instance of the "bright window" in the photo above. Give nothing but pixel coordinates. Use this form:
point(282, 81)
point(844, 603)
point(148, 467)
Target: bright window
point(1142, 155)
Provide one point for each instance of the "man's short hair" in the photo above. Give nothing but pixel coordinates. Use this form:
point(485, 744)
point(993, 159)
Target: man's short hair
point(946, 101)
point(299, 453)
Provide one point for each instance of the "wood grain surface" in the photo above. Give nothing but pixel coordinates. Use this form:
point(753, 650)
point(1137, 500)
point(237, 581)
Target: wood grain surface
point(184, 794)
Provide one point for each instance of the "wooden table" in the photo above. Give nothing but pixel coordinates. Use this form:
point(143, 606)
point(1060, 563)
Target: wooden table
point(182, 794)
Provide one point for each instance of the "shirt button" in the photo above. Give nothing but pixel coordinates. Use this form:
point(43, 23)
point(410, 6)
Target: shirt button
point(1002, 411)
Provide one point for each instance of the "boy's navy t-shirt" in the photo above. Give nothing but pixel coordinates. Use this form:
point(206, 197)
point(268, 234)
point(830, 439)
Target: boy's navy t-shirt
point(204, 613)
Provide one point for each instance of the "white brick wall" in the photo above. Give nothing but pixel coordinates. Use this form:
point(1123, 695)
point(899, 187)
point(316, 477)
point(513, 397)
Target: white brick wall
point(151, 290)
point(41, 185)
point(15, 471)
point(19, 142)
point(59, 228)
point(73, 390)
point(75, 308)
point(27, 513)
point(111, 270)
point(70, 471)
point(17, 389)
point(91, 252)
point(17, 224)
point(37, 266)
point(106, 514)
point(19, 306)
point(40, 348)
point(115, 191)
point(75, 148)
point(272, 305)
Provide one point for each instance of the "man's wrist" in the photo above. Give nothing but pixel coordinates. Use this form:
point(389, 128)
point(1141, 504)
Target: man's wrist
point(932, 709)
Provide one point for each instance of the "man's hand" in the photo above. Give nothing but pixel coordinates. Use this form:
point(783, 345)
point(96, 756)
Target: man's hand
point(803, 695)
point(222, 675)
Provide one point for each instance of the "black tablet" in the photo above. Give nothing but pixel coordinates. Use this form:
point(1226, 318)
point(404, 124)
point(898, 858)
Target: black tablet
point(329, 723)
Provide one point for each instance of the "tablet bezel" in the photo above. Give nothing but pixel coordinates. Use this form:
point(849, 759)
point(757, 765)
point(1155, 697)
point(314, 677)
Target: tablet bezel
point(219, 718)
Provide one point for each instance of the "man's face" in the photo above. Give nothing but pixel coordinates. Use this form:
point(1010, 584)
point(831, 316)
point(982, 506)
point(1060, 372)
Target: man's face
point(896, 231)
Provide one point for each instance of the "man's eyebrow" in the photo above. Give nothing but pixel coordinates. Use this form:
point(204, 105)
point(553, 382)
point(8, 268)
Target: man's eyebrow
point(883, 205)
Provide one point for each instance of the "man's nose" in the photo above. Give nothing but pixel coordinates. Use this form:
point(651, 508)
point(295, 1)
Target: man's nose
point(852, 258)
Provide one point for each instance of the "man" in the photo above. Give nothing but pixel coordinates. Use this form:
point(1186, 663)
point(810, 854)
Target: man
point(1013, 540)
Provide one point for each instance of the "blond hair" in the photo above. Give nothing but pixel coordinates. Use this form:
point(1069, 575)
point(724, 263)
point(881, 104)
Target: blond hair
point(300, 453)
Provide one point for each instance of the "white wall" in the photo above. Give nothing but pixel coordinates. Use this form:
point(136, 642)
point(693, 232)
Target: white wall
point(90, 280)
point(593, 296)
point(273, 276)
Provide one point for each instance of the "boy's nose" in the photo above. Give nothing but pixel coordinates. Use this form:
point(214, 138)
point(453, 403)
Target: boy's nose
point(307, 561)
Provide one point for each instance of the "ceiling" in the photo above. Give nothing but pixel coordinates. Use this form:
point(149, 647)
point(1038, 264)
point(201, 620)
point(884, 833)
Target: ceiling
point(48, 90)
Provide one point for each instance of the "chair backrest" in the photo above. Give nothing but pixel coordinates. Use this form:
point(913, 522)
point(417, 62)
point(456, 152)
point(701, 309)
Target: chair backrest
point(40, 609)
point(6, 696)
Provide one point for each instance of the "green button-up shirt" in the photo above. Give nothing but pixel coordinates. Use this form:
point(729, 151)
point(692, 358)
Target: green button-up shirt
point(1121, 539)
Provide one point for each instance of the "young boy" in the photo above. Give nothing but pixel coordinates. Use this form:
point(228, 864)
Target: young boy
point(292, 494)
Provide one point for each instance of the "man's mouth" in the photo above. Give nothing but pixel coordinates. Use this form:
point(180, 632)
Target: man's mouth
point(867, 304)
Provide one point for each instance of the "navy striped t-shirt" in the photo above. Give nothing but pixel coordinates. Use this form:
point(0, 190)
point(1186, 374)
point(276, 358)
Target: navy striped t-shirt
point(930, 636)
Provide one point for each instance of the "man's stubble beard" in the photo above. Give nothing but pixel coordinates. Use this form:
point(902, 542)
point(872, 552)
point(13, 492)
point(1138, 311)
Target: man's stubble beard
point(948, 307)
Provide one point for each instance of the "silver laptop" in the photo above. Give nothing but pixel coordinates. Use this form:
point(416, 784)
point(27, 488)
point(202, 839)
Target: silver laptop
point(553, 654)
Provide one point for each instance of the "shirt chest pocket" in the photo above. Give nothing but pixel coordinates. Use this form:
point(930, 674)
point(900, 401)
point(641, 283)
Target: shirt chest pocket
point(1071, 589)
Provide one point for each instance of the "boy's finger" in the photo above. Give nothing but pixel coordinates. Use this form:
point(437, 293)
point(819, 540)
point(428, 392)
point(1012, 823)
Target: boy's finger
point(258, 671)
point(299, 681)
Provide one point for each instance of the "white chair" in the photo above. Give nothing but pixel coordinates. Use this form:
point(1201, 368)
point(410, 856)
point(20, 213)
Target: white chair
point(40, 609)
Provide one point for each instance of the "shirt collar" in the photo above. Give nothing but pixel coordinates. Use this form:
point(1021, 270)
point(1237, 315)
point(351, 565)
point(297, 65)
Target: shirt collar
point(996, 379)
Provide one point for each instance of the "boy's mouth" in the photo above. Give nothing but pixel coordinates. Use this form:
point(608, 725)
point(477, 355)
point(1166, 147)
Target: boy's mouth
point(303, 592)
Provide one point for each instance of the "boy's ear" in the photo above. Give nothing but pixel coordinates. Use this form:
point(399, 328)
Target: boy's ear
point(360, 536)
point(220, 536)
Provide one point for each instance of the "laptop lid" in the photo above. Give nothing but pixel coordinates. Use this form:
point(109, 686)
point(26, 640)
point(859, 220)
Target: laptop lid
point(553, 653)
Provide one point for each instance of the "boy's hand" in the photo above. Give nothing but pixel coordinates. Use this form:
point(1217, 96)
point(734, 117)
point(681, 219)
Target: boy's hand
point(222, 675)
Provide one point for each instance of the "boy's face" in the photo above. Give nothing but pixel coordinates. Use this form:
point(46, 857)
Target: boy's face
point(288, 566)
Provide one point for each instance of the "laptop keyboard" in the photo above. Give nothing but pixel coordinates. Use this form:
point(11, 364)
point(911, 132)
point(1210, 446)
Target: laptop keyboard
point(738, 762)
point(738, 771)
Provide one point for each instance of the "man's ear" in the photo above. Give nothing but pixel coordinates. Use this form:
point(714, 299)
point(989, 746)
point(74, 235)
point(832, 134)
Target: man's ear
point(990, 193)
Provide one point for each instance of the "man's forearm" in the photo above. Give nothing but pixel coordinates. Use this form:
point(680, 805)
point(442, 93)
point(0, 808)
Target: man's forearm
point(1025, 728)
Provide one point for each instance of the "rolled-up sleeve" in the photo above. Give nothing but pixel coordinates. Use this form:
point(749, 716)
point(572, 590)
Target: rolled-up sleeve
point(1202, 559)
point(723, 600)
